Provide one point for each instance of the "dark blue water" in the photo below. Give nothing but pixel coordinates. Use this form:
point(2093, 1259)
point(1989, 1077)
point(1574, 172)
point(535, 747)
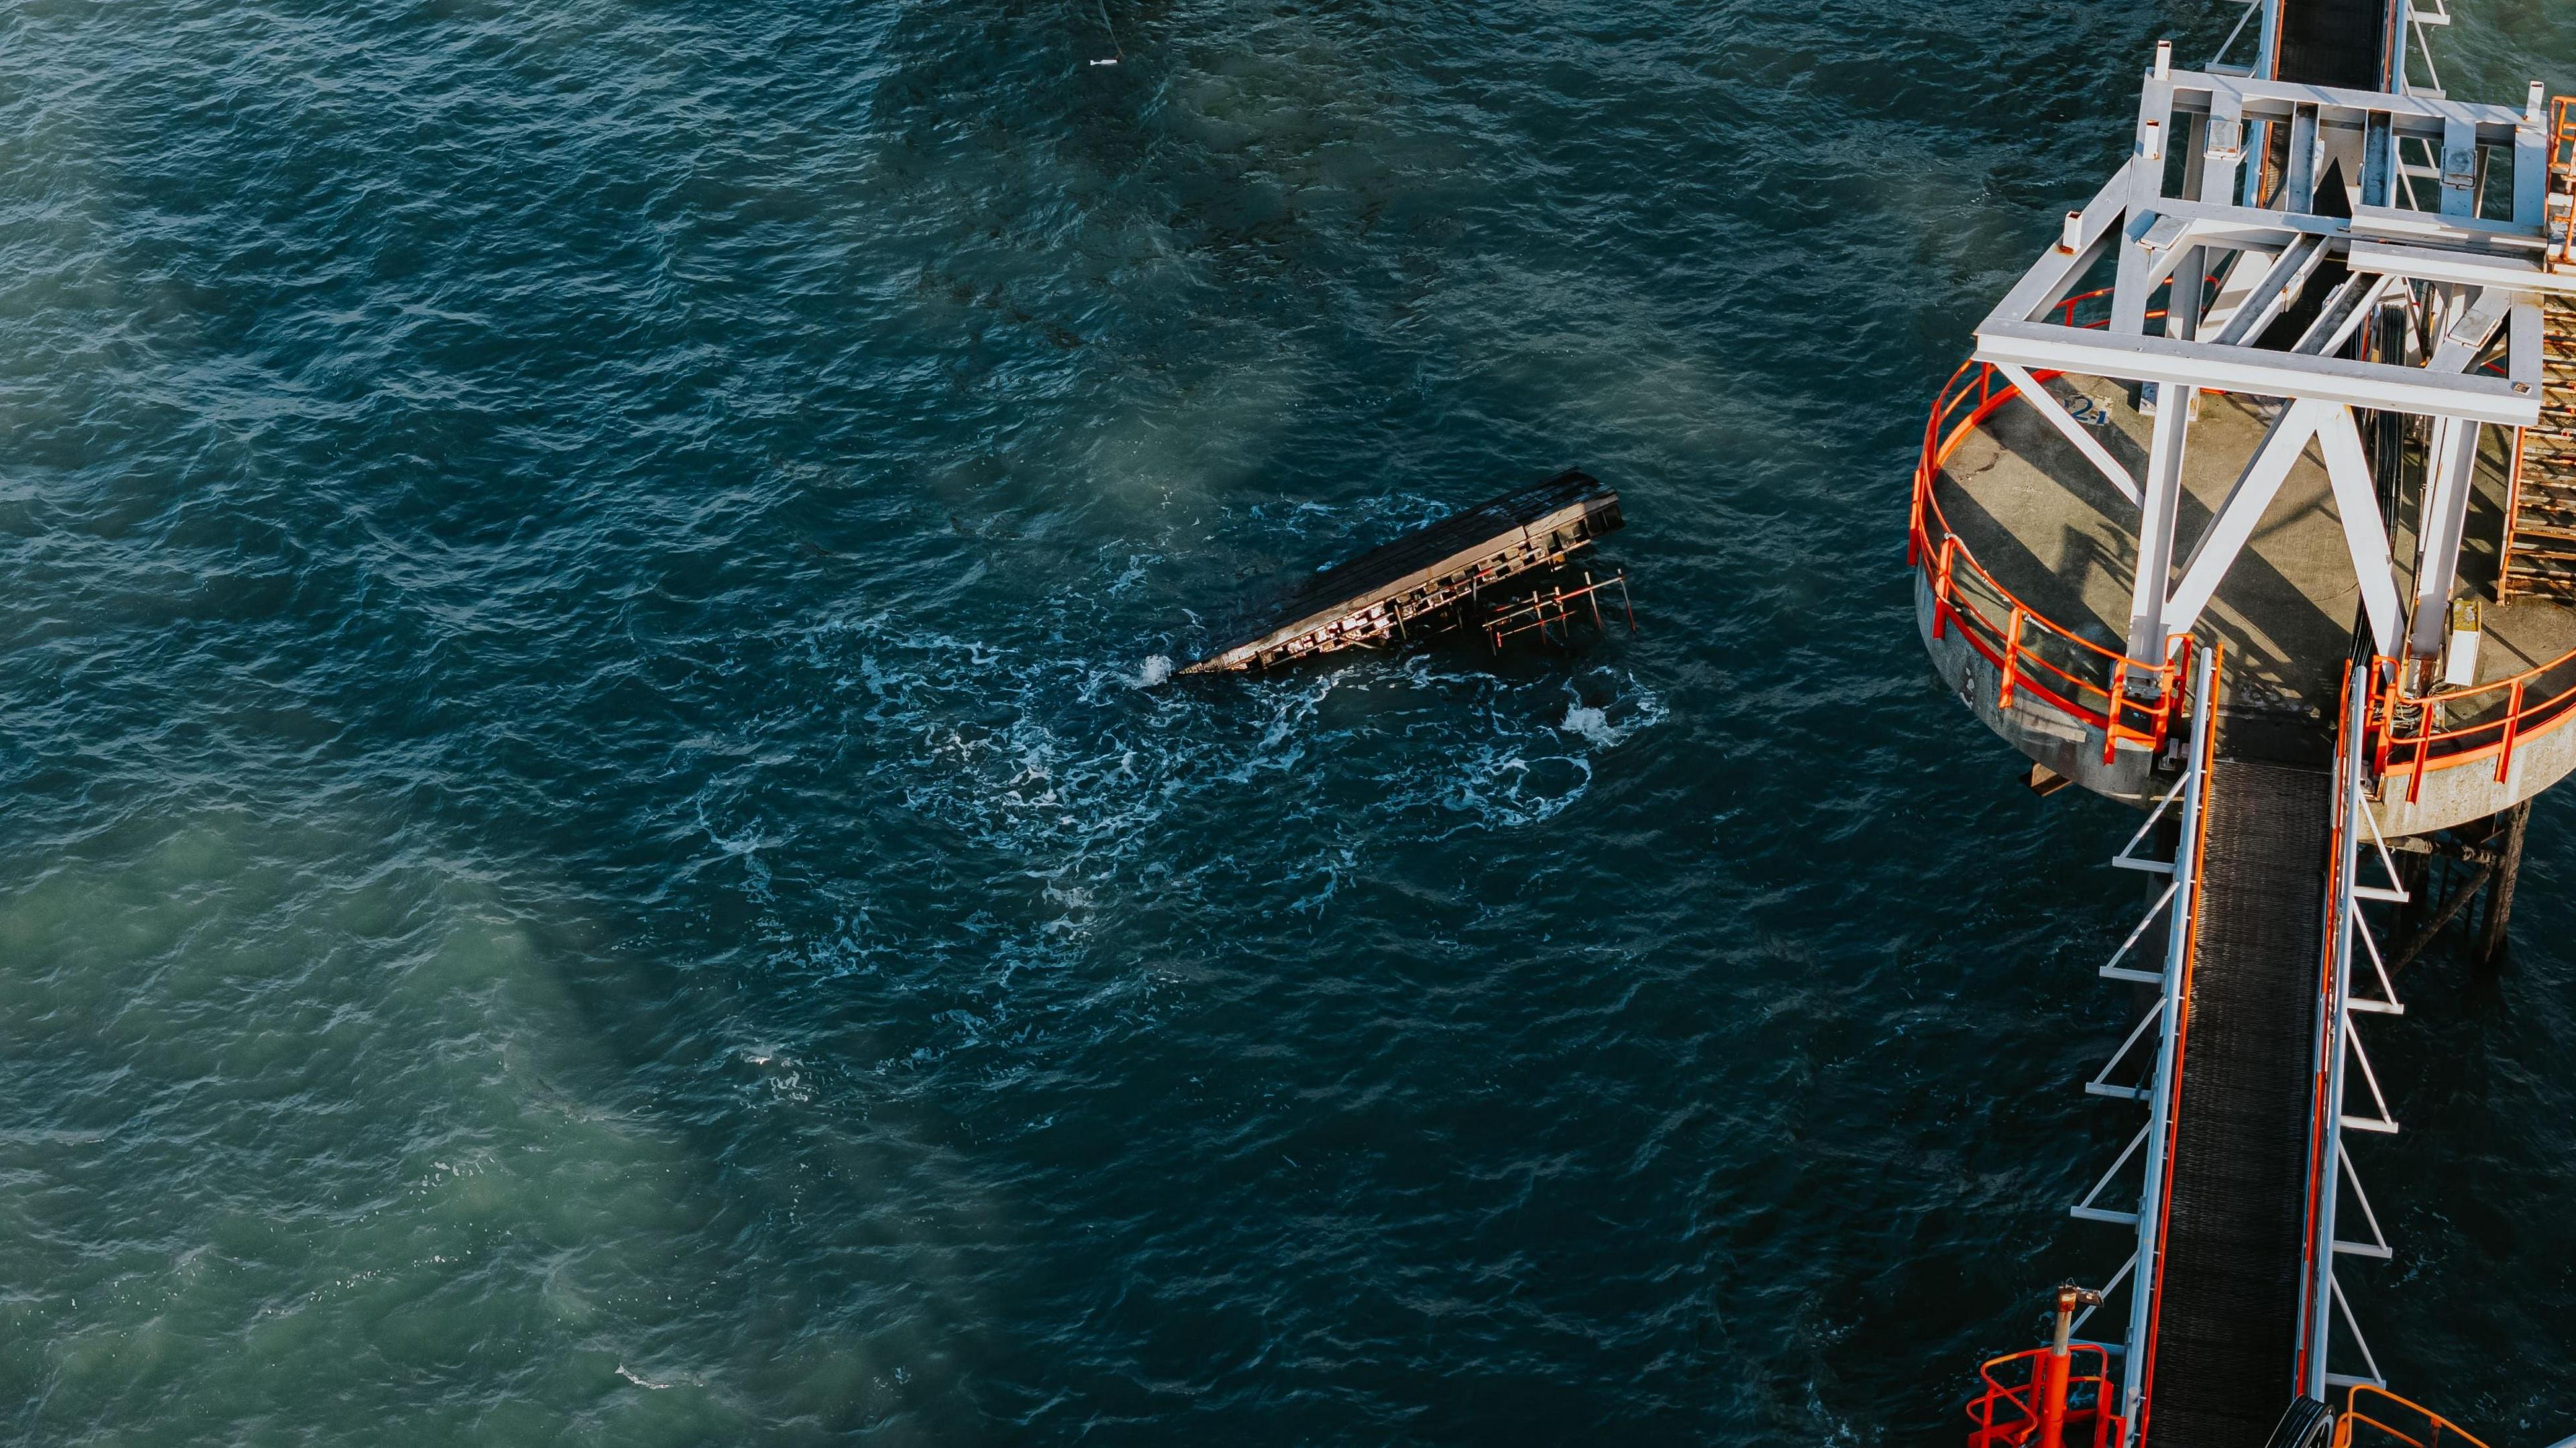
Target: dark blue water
point(587, 855)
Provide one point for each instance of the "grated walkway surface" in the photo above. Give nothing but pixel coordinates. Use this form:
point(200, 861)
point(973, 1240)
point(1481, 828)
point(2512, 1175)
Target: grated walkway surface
point(2332, 42)
point(2236, 1221)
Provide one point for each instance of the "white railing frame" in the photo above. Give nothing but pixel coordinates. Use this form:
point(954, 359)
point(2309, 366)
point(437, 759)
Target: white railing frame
point(2179, 901)
point(2338, 1044)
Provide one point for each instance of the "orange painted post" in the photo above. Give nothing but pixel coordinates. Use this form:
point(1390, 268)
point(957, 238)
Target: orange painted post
point(2170, 690)
point(2051, 1387)
point(2386, 704)
point(2512, 726)
point(2048, 1385)
point(2111, 710)
point(1941, 589)
point(2012, 662)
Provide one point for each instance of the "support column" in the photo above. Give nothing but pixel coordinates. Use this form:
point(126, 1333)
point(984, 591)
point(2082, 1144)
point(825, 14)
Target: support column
point(2163, 498)
point(2508, 864)
point(2452, 464)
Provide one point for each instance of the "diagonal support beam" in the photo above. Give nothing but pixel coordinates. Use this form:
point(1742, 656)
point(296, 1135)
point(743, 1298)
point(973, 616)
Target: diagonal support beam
point(2060, 268)
point(2469, 335)
point(2357, 504)
point(2047, 405)
point(2234, 524)
point(2342, 315)
point(2452, 467)
point(2279, 287)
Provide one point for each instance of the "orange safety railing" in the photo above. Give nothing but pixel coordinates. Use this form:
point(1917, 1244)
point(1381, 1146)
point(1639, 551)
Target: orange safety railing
point(2384, 1420)
point(2008, 1414)
point(2141, 702)
point(2562, 179)
point(2127, 699)
point(2418, 734)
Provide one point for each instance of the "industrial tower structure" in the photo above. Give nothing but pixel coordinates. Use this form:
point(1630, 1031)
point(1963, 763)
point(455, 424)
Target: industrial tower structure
point(2256, 508)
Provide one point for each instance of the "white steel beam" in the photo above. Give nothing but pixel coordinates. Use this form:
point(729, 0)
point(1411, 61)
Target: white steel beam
point(2136, 262)
point(2522, 344)
point(2453, 462)
point(2059, 268)
point(2377, 385)
point(2530, 173)
point(2234, 522)
point(2357, 505)
point(2341, 316)
point(2494, 270)
point(2156, 512)
point(2244, 268)
point(2299, 183)
point(2471, 328)
point(2459, 167)
point(2451, 470)
point(2186, 900)
point(2400, 224)
point(2421, 114)
point(2047, 405)
point(2222, 146)
point(2273, 295)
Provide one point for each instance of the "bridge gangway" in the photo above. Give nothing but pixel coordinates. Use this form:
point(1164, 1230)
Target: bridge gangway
point(2245, 1061)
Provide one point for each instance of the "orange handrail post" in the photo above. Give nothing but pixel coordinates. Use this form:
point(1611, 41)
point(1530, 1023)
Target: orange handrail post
point(1941, 589)
point(2039, 1411)
point(2111, 710)
point(2392, 1419)
point(2057, 1364)
point(2055, 1367)
point(2381, 676)
point(2012, 661)
point(2052, 1399)
point(2512, 726)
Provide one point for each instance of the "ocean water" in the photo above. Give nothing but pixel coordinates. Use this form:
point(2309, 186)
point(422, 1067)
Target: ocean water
point(595, 846)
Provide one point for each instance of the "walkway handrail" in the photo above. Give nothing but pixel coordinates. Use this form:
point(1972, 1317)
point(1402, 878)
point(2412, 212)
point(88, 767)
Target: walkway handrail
point(2126, 698)
point(2421, 1426)
point(2140, 701)
point(2007, 1415)
point(2319, 1292)
point(2182, 941)
point(2408, 737)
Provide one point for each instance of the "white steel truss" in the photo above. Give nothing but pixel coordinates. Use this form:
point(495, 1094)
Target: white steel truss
point(2255, 185)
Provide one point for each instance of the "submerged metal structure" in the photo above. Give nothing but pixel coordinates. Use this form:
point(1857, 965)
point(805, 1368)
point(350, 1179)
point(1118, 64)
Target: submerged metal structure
point(2255, 507)
point(1432, 577)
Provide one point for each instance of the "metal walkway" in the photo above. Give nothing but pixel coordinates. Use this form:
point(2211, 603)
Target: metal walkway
point(2225, 1337)
point(2248, 1062)
point(2334, 42)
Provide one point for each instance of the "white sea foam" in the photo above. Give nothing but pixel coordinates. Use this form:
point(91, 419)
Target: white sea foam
point(1591, 723)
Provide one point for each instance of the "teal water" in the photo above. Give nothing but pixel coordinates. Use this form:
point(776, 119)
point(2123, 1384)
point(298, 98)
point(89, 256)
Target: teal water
point(586, 854)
